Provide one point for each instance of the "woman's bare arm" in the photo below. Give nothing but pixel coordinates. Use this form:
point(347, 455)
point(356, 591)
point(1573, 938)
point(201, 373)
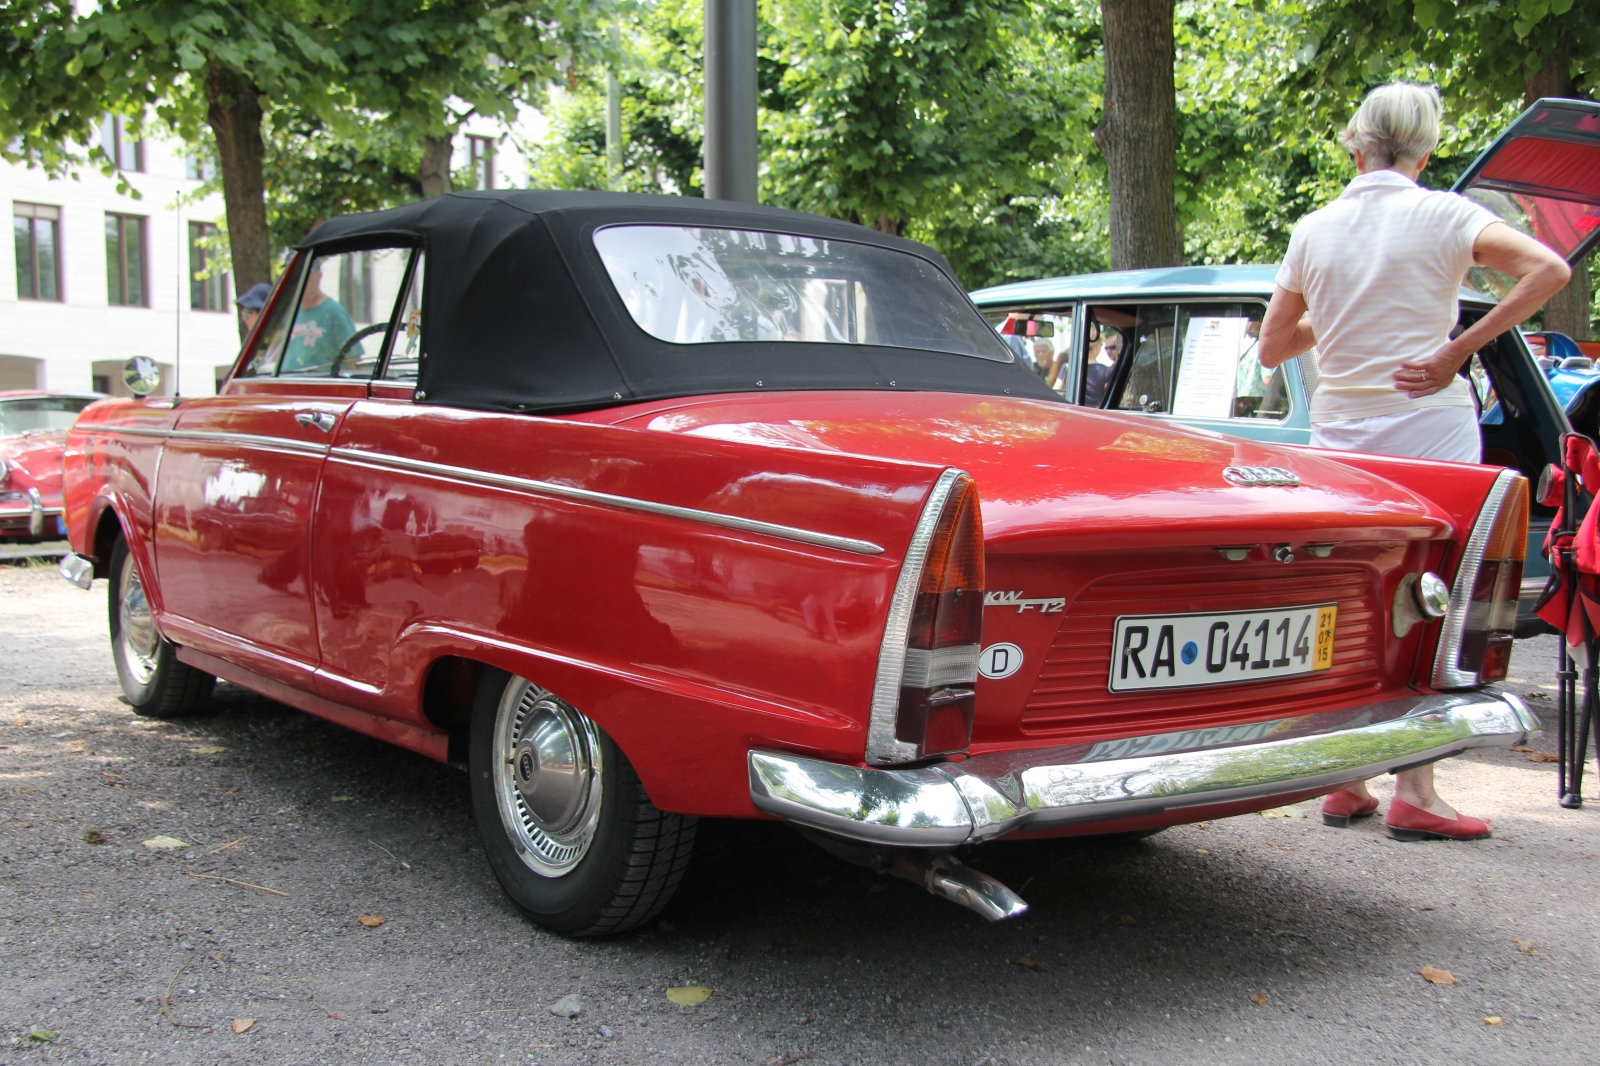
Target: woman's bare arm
point(1540, 273)
point(1286, 329)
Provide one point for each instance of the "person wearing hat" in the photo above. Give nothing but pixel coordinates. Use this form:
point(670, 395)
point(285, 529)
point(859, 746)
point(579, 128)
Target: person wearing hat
point(251, 301)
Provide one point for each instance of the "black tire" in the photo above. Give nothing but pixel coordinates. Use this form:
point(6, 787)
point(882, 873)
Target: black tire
point(154, 682)
point(615, 858)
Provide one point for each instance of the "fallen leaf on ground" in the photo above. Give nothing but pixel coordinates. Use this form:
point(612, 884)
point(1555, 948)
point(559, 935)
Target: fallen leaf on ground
point(1525, 946)
point(1543, 756)
point(340, 799)
point(242, 1024)
point(235, 788)
point(1493, 1019)
point(371, 921)
point(1290, 932)
point(1127, 919)
point(567, 1006)
point(1258, 998)
point(43, 1036)
point(1435, 976)
point(165, 843)
point(1282, 812)
point(689, 995)
point(1030, 962)
point(1536, 695)
point(790, 1061)
point(93, 836)
point(207, 749)
point(1201, 851)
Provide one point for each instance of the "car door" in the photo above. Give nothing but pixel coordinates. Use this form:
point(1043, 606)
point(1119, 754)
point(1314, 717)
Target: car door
point(239, 475)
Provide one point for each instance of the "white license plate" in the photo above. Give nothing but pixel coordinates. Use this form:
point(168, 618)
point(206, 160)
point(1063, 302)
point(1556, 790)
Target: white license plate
point(1184, 650)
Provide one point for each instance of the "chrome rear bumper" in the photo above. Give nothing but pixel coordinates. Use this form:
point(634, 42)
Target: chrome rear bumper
point(990, 795)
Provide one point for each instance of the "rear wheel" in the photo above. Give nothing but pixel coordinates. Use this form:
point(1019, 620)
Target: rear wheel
point(567, 826)
point(154, 682)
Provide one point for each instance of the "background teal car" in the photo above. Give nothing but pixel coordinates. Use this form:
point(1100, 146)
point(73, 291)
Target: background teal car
point(1070, 327)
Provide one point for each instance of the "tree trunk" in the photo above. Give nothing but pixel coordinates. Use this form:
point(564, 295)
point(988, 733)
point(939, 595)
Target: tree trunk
point(234, 114)
point(1567, 311)
point(1139, 133)
point(435, 172)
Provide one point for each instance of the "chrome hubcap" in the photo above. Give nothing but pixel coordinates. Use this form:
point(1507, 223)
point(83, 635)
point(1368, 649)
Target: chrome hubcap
point(548, 772)
point(140, 641)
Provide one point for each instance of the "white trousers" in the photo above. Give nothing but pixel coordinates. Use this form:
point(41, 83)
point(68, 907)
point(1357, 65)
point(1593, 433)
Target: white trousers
point(1448, 433)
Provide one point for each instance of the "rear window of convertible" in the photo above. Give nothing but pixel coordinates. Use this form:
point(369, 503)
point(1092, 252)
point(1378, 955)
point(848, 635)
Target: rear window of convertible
point(688, 285)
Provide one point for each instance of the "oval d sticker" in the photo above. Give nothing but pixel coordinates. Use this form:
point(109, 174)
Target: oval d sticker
point(999, 660)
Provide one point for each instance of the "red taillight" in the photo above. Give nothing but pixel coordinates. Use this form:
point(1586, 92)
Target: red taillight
point(937, 694)
point(925, 693)
point(1475, 646)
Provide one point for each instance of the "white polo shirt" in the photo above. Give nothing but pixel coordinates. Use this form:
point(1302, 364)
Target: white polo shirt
point(1380, 269)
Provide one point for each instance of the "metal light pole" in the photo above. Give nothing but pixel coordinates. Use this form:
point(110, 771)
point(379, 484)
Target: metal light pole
point(730, 137)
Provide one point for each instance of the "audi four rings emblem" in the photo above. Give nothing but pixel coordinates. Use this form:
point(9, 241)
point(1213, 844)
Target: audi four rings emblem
point(1260, 475)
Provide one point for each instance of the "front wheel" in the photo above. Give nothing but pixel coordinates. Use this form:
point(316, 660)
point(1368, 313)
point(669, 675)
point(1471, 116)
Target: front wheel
point(154, 682)
point(567, 826)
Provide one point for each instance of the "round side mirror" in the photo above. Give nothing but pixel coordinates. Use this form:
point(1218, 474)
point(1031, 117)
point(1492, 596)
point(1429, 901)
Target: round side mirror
point(141, 375)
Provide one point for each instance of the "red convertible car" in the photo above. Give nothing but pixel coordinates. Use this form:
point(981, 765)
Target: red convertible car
point(33, 434)
point(644, 509)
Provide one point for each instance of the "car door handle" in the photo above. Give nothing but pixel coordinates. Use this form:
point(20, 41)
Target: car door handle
point(316, 420)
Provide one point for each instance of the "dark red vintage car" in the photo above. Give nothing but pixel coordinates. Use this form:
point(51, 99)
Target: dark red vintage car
point(644, 509)
point(33, 434)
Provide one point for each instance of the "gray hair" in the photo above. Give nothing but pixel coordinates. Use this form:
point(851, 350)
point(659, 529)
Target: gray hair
point(1395, 123)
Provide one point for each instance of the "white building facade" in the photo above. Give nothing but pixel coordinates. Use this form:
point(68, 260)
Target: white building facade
point(96, 276)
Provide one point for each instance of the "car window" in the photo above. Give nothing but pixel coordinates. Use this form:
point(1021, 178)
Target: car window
point(34, 413)
point(689, 285)
point(405, 350)
point(1483, 395)
point(345, 308)
point(263, 358)
point(1194, 360)
point(1040, 339)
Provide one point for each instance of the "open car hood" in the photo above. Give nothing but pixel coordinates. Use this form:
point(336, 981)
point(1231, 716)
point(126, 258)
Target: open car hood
point(1542, 176)
point(1056, 477)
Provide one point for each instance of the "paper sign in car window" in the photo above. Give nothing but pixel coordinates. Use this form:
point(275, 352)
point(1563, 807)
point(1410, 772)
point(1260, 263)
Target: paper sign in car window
point(1209, 368)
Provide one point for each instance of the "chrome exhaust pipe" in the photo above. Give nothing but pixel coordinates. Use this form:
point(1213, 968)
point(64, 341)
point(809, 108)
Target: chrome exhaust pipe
point(945, 876)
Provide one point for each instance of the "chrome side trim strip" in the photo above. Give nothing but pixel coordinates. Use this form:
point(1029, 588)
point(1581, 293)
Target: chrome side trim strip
point(251, 440)
point(1446, 674)
point(991, 795)
point(883, 747)
point(572, 492)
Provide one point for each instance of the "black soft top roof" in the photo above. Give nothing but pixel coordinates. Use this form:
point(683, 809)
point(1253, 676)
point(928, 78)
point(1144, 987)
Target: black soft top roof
point(519, 313)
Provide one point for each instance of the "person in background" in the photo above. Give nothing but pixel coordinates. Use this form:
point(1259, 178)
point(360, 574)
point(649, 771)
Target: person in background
point(1102, 365)
point(250, 303)
point(321, 326)
point(1371, 281)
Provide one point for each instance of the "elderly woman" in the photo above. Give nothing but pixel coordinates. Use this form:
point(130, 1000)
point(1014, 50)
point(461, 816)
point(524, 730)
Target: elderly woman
point(1371, 280)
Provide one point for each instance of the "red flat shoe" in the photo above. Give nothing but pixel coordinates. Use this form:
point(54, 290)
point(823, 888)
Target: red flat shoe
point(1341, 806)
point(1406, 822)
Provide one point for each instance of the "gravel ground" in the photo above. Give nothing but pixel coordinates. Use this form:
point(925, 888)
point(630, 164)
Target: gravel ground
point(1259, 939)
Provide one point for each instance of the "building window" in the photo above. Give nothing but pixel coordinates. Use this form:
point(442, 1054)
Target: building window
point(198, 167)
point(208, 284)
point(38, 234)
point(480, 153)
point(124, 152)
point(125, 267)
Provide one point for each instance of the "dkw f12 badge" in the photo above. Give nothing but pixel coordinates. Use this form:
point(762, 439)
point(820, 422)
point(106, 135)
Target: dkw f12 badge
point(1254, 476)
